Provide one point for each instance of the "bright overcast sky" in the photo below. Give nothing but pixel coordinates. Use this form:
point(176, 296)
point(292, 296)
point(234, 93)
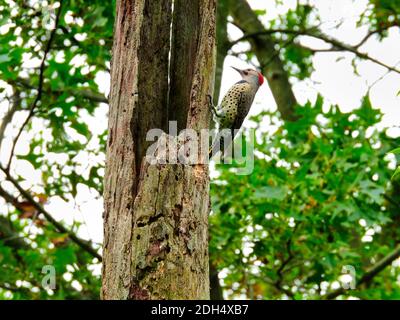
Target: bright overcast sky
point(335, 80)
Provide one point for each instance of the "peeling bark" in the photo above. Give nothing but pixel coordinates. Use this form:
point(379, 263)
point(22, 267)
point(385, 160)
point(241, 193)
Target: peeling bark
point(170, 236)
point(156, 215)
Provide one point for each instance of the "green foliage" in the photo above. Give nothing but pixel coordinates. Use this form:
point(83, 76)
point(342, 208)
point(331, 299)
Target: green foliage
point(397, 171)
point(320, 187)
point(22, 265)
point(63, 146)
point(381, 15)
point(314, 203)
point(296, 58)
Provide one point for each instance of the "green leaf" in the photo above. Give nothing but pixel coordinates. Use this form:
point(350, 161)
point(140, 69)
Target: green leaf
point(62, 257)
point(368, 113)
point(260, 12)
point(395, 151)
point(396, 173)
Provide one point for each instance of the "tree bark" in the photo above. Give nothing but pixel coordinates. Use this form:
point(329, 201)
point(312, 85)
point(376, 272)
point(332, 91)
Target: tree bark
point(183, 52)
point(215, 286)
point(222, 44)
point(156, 215)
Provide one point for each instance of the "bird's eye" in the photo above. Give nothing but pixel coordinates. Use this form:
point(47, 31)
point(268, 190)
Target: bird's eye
point(245, 73)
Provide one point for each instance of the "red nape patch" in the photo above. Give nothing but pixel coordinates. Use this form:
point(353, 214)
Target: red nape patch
point(260, 79)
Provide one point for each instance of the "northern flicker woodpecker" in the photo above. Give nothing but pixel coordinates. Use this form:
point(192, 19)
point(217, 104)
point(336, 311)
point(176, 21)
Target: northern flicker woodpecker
point(235, 106)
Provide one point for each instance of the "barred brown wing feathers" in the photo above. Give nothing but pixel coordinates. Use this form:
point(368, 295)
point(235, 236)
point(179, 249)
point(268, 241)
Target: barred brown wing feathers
point(234, 108)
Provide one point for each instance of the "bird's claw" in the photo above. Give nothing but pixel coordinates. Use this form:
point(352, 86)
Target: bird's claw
point(211, 104)
point(210, 100)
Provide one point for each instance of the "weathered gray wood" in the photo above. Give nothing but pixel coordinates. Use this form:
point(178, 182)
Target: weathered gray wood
point(120, 176)
point(155, 219)
point(170, 237)
point(131, 114)
point(184, 47)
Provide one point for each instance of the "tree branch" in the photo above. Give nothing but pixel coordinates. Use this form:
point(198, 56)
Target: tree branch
point(9, 236)
point(264, 32)
point(222, 44)
point(315, 33)
point(278, 286)
point(72, 38)
point(370, 274)
point(9, 287)
point(264, 48)
point(84, 93)
point(85, 245)
point(40, 86)
point(371, 33)
point(216, 292)
point(15, 105)
point(286, 261)
point(91, 95)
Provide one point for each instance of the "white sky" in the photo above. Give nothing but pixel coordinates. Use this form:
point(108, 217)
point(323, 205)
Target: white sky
point(335, 80)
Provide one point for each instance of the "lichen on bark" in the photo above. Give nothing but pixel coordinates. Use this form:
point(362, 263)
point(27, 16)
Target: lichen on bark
point(156, 215)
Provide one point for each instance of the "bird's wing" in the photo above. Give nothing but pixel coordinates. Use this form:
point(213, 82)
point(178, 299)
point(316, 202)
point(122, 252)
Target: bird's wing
point(229, 104)
point(234, 108)
point(237, 123)
point(244, 105)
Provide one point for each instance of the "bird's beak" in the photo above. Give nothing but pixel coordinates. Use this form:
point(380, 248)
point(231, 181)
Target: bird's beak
point(238, 70)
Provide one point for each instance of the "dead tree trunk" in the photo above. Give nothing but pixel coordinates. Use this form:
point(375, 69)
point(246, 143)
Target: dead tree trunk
point(156, 215)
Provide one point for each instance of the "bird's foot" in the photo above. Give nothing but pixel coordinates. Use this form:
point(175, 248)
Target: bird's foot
point(211, 105)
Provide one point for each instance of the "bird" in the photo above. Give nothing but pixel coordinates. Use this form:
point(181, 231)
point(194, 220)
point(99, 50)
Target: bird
point(234, 107)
